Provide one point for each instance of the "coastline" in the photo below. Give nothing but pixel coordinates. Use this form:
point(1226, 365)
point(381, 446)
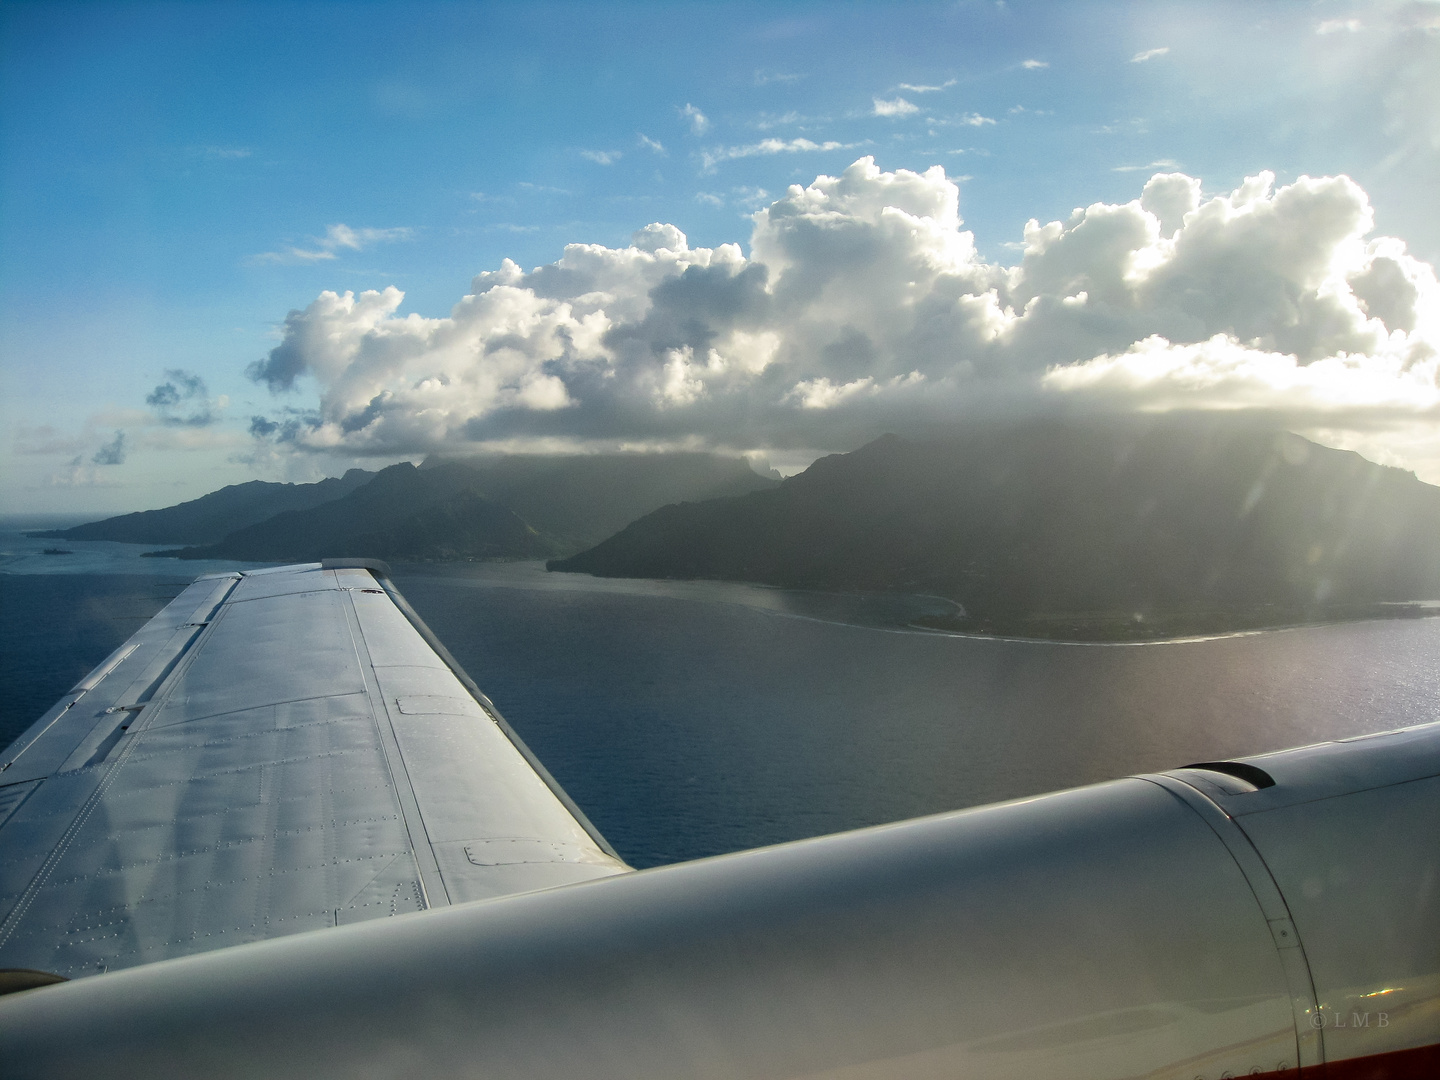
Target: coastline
point(23, 553)
point(1119, 628)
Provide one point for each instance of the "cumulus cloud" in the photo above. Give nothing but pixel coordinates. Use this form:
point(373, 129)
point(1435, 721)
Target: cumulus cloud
point(863, 306)
point(651, 144)
point(1163, 163)
point(342, 236)
point(46, 439)
point(78, 474)
point(923, 89)
point(1035, 65)
point(1156, 375)
point(752, 198)
point(181, 417)
point(1339, 26)
point(1149, 54)
point(336, 238)
point(602, 157)
point(699, 122)
point(182, 400)
point(713, 157)
point(112, 453)
point(223, 153)
point(770, 121)
point(895, 107)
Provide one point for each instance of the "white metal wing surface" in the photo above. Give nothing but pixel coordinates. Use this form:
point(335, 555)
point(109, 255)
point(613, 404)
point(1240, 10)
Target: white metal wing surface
point(276, 751)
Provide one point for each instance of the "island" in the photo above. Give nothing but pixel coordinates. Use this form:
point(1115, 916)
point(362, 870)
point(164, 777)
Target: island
point(1073, 529)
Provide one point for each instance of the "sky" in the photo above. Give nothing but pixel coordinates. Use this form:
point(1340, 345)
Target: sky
point(274, 241)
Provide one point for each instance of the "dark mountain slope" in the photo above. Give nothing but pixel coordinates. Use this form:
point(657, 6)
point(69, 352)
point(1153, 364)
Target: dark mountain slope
point(528, 507)
point(462, 526)
point(579, 500)
point(1055, 516)
point(401, 513)
point(212, 517)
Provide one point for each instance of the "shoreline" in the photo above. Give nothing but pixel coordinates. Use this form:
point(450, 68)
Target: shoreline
point(1164, 628)
point(1114, 627)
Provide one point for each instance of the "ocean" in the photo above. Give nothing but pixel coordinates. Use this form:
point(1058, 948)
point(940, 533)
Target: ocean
point(694, 718)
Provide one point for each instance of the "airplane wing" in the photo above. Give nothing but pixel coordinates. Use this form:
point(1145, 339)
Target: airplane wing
point(276, 751)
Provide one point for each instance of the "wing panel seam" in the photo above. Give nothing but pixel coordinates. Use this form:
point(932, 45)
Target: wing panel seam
point(1271, 901)
point(426, 865)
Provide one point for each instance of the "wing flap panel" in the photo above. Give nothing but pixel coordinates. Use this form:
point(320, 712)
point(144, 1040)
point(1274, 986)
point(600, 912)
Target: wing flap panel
point(393, 643)
point(50, 741)
point(470, 781)
point(467, 880)
point(291, 647)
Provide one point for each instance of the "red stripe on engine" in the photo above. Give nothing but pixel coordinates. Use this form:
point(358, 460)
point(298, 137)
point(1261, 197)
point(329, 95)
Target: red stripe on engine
point(1420, 1063)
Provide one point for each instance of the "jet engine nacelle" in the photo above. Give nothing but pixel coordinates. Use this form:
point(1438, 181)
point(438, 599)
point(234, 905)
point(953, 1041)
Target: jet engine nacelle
point(1274, 916)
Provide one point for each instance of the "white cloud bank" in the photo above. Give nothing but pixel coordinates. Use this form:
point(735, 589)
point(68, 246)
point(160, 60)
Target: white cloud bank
point(863, 306)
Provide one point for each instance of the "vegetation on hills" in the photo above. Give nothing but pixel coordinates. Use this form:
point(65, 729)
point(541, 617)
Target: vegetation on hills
point(1042, 527)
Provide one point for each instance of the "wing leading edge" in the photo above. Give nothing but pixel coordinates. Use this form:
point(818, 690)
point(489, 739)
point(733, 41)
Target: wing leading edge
point(203, 788)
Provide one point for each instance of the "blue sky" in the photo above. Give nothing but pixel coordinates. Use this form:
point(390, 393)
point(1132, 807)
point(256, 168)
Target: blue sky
point(175, 179)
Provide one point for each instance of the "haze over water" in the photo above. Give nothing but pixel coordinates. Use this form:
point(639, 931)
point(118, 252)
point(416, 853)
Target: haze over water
point(693, 718)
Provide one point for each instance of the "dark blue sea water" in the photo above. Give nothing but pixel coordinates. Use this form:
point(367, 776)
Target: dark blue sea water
point(689, 719)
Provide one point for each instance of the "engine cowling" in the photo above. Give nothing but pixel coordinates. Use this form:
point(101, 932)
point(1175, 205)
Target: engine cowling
point(1278, 915)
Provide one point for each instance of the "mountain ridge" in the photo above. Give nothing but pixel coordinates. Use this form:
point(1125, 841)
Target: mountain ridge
point(212, 517)
point(448, 509)
point(1052, 516)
